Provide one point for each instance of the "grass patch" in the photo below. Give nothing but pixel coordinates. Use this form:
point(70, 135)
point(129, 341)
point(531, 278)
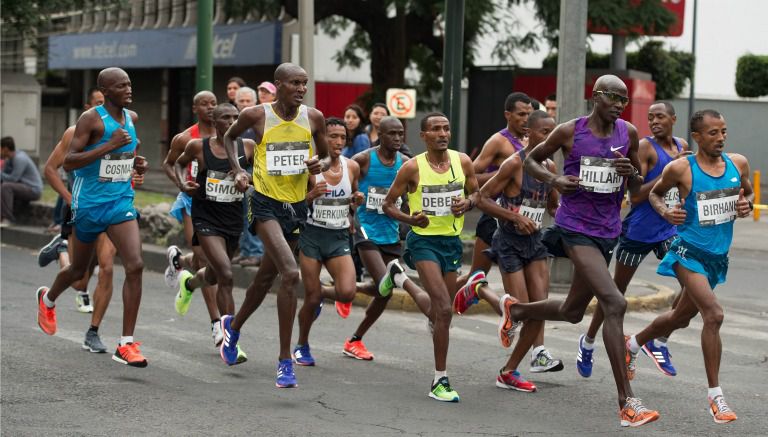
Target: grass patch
point(143, 198)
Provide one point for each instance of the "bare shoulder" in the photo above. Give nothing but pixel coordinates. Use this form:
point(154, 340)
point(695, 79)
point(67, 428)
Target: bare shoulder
point(684, 144)
point(134, 116)
point(353, 165)
point(739, 159)
point(677, 167)
point(630, 127)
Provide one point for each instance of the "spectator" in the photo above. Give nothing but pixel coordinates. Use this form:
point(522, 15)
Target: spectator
point(20, 180)
point(357, 139)
point(378, 111)
point(267, 92)
point(245, 97)
point(550, 103)
point(233, 84)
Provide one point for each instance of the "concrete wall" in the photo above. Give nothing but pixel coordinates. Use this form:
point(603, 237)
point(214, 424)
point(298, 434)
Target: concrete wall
point(146, 87)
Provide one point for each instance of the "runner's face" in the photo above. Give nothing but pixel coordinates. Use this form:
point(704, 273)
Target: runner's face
point(517, 118)
point(203, 108)
point(711, 136)
point(437, 136)
point(336, 137)
point(391, 136)
point(351, 119)
point(377, 114)
point(225, 119)
point(96, 99)
point(293, 88)
point(540, 130)
point(607, 107)
point(232, 88)
point(118, 91)
point(551, 107)
point(659, 121)
point(265, 96)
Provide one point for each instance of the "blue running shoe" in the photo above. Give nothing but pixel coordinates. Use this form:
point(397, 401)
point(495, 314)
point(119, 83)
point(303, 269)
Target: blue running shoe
point(318, 310)
point(302, 356)
point(584, 359)
point(285, 376)
point(229, 350)
point(660, 357)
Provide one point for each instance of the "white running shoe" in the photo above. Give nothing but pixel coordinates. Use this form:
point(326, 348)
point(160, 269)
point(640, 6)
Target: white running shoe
point(217, 333)
point(83, 301)
point(174, 267)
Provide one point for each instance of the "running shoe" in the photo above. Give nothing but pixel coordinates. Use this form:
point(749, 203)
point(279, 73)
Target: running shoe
point(442, 391)
point(720, 411)
point(217, 333)
point(661, 357)
point(507, 326)
point(50, 252)
point(174, 267)
point(343, 309)
point(229, 350)
point(545, 363)
point(302, 356)
point(46, 317)
point(286, 378)
point(635, 414)
point(184, 296)
point(631, 359)
point(241, 356)
point(318, 310)
point(357, 350)
point(514, 381)
point(93, 343)
point(467, 295)
point(130, 354)
point(387, 283)
point(83, 302)
point(584, 359)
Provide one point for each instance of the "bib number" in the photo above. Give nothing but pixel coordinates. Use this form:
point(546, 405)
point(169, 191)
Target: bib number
point(534, 210)
point(220, 187)
point(436, 200)
point(284, 159)
point(599, 175)
point(717, 206)
point(375, 199)
point(193, 169)
point(672, 197)
point(331, 213)
point(116, 167)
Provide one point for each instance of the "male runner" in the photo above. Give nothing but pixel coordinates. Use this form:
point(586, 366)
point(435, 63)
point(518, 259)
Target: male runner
point(202, 106)
point(441, 187)
point(500, 146)
point(714, 189)
point(284, 156)
point(600, 153)
point(324, 241)
point(643, 231)
point(103, 153)
point(517, 248)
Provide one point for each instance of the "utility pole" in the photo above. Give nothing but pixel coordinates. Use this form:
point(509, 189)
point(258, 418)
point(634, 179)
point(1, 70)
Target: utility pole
point(453, 67)
point(307, 46)
point(691, 93)
point(204, 72)
point(619, 52)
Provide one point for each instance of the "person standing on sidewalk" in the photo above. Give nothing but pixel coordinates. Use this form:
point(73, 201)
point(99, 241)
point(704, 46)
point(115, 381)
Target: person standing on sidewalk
point(714, 189)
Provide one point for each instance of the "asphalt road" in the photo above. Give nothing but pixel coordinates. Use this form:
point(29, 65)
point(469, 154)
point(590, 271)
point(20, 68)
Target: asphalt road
point(50, 386)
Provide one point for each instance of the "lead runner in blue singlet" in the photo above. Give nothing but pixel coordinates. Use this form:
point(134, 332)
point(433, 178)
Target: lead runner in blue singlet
point(103, 154)
point(714, 190)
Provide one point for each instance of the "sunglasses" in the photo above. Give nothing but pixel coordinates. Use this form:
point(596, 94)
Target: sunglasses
point(613, 97)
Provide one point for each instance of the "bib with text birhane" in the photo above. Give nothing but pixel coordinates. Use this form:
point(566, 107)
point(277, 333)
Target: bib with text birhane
point(599, 175)
point(717, 206)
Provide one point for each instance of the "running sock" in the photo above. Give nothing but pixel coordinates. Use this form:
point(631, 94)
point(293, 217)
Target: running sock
point(713, 392)
point(355, 338)
point(439, 374)
point(215, 321)
point(633, 346)
point(125, 339)
point(588, 343)
point(660, 342)
point(94, 328)
point(400, 279)
point(48, 303)
point(535, 351)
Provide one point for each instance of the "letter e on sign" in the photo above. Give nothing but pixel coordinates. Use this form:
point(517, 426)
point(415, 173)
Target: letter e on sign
point(402, 102)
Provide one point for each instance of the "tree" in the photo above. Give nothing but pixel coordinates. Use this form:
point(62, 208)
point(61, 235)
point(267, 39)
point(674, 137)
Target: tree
point(752, 76)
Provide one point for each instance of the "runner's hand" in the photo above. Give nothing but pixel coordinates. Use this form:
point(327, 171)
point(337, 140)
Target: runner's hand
point(314, 165)
point(566, 184)
point(623, 165)
point(525, 225)
point(190, 187)
point(140, 164)
point(137, 178)
point(742, 205)
point(459, 205)
point(358, 198)
point(119, 138)
point(419, 219)
point(241, 181)
point(318, 190)
point(676, 214)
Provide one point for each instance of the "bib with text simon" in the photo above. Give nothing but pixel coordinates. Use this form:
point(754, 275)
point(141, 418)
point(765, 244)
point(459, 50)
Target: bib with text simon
point(376, 197)
point(285, 159)
point(599, 175)
point(220, 187)
point(717, 206)
point(436, 200)
point(116, 167)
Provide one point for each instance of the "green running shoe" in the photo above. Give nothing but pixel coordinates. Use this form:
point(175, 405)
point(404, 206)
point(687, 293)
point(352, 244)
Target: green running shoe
point(387, 283)
point(184, 296)
point(241, 356)
point(443, 392)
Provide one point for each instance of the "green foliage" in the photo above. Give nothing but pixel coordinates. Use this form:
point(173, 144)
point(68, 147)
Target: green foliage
point(752, 76)
point(670, 69)
point(26, 17)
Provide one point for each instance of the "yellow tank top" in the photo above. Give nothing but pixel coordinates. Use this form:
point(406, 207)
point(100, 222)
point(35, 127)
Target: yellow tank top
point(279, 170)
point(433, 196)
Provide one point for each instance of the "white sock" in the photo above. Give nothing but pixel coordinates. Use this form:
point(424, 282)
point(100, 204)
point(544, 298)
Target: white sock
point(535, 351)
point(83, 293)
point(439, 374)
point(125, 339)
point(587, 344)
point(400, 279)
point(658, 342)
point(49, 303)
point(633, 346)
point(714, 392)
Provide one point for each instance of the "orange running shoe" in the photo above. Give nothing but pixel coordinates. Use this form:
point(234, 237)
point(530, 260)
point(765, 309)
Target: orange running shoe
point(630, 358)
point(46, 317)
point(720, 411)
point(343, 309)
point(357, 350)
point(507, 326)
point(635, 414)
point(130, 355)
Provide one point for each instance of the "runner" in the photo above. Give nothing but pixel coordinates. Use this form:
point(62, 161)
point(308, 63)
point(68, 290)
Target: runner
point(441, 188)
point(284, 156)
point(643, 231)
point(600, 153)
point(202, 106)
point(324, 241)
point(518, 250)
point(103, 153)
point(500, 146)
point(714, 189)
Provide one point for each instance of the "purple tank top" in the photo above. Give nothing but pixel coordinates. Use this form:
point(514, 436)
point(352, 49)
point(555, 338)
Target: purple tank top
point(595, 209)
point(512, 140)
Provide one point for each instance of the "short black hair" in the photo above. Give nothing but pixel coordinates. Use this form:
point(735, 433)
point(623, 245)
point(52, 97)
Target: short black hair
point(536, 116)
point(236, 79)
point(8, 143)
point(667, 106)
point(91, 91)
point(698, 118)
point(535, 104)
point(426, 118)
point(380, 105)
point(552, 97)
point(509, 103)
point(335, 121)
point(221, 107)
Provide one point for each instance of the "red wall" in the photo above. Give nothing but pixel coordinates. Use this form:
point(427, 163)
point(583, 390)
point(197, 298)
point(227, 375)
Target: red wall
point(332, 97)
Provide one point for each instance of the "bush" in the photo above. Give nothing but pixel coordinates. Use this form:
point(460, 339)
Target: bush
point(752, 76)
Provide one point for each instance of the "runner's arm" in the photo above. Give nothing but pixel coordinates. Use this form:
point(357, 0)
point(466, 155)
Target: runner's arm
point(644, 155)
point(323, 161)
point(561, 136)
point(55, 161)
point(744, 205)
point(248, 117)
point(553, 197)
point(178, 143)
point(472, 198)
point(190, 153)
point(84, 129)
point(484, 159)
point(405, 176)
point(670, 178)
point(495, 185)
point(635, 179)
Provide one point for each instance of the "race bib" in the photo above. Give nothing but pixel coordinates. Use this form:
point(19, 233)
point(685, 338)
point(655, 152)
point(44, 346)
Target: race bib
point(717, 206)
point(220, 187)
point(284, 159)
point(436, 200)
point(193, 169)
point(375, 199)
point(534, 210)
point(116, 167)
point(331, 212)
point(599, 175)
point(672, 197)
